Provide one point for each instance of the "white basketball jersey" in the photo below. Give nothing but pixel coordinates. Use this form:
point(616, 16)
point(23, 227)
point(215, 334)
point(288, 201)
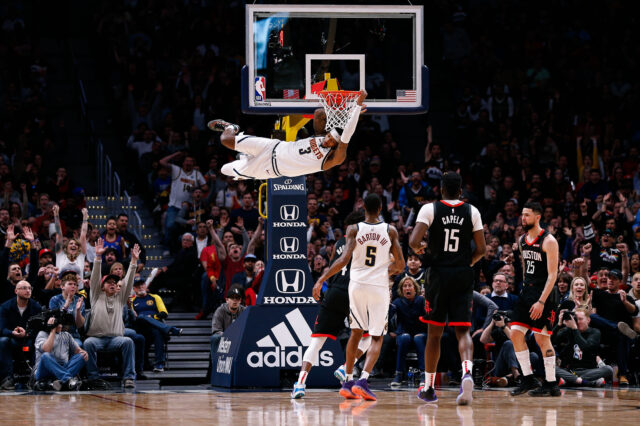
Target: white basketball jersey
point(301, 157)
point(370, 260)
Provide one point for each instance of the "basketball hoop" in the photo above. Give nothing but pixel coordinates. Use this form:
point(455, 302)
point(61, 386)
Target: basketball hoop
point(338, 105)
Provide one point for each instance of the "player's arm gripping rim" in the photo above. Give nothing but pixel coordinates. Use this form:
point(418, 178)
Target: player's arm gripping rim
point(341, 262)
point(550, 247)
point(338, 155)
point(397, 267)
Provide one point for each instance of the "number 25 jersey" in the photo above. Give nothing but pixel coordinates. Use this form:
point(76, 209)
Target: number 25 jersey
point(370, 259)
point(534, 260)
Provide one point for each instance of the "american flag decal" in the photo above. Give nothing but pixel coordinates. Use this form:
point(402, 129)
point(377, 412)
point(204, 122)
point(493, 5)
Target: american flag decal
point(291, 94)
point(406, 96)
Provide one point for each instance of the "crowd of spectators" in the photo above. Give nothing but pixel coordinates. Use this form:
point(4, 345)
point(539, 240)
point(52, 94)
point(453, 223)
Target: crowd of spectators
point(540, 103)
point(542, 110)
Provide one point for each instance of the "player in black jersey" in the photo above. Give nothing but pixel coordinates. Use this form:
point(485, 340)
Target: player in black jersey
point(452, 225)
point(333, 310)
point(534, 311)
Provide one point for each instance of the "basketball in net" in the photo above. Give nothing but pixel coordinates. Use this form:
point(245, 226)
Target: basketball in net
point(338, 105)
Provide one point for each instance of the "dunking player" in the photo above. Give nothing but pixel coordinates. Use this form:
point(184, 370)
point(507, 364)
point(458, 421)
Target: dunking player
point(331, 315)
point(270, 158)
point(368, 245)
point(452, 224)
point(534, 311)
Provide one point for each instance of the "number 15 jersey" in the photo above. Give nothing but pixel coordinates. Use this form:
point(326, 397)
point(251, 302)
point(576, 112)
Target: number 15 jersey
point(370, 259)
point(451, 226)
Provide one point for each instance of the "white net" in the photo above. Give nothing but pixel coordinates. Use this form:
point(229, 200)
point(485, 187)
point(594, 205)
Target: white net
point(338, 106)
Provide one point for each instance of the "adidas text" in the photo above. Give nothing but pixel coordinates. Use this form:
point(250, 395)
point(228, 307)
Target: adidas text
point(286, 300)
point(280, 358)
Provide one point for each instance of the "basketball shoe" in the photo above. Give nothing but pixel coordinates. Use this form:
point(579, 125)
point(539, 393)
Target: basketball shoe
point(427, 395)
point(347, 390)
point(361, 388)
point(466, 391)
point(340, 374)
point(298, 391)
point(546, 389)
point(527, 383)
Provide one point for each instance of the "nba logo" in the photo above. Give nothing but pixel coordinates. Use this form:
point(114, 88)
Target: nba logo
point(260, 89)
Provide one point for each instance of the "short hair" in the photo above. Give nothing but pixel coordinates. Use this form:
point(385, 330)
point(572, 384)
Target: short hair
point(586, 310)
point(115, 265)
point(451, 183)
point(353, 218)
point(534, 206)
point(111, 218)
point(69, 276)
point(186, 234)
point(372, 203)
point(413, 254)
point(123, 214)
point(565, 277)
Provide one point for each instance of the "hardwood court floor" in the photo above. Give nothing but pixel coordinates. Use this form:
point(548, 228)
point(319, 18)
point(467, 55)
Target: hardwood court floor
point(589, 407)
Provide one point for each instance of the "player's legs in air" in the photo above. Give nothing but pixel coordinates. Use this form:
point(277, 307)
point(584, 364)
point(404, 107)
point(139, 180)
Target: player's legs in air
point(254, 153)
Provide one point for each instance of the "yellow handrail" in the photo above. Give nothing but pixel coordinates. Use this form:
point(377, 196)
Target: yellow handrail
point(260, 199)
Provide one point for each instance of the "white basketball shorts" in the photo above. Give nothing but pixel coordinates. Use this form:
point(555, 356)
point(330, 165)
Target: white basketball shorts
point(369, 308)
point(257, 163)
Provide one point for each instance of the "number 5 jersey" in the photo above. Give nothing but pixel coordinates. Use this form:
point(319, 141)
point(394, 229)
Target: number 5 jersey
point(370, 260)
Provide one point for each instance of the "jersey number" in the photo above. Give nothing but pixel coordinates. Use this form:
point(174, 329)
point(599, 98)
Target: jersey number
point(531, 267)
point(304, 151)
point(451, 239)
point(371, 256)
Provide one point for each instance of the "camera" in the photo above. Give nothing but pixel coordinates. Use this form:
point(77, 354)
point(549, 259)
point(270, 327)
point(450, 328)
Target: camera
point(500, 315)
point(40, 322)
point(568, 315)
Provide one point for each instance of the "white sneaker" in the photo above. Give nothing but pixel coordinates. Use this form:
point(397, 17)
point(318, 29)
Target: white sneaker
point(340, 374)
point(466, 391)
point(298, 391)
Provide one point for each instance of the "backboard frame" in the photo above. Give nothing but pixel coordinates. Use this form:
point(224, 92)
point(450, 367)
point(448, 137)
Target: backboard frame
point(306, 106)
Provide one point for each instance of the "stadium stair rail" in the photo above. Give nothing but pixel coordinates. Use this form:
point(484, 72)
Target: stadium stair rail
point(187, 355)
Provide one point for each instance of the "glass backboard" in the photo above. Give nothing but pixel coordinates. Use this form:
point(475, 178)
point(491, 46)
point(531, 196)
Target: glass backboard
point(292, 48)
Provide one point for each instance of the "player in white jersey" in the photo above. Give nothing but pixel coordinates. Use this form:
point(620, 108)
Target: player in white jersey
point(368, 246)
point(270, 158)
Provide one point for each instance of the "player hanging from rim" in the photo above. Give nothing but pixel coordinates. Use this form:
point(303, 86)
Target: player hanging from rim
point(370, 243)
point(264, 158)
point(452, 225)
point(534, 310)
point(333, 311)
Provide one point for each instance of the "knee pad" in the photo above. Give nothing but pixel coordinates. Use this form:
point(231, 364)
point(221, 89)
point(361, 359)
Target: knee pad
point(364, 344)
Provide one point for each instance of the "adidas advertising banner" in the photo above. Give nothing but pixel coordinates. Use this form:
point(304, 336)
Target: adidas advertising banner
point(287, 275)
point(266, 344)
point(264, 347)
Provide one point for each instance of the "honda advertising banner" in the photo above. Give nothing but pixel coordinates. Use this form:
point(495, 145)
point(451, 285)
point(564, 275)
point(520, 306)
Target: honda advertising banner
point(267, 342)
point(287, 271)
